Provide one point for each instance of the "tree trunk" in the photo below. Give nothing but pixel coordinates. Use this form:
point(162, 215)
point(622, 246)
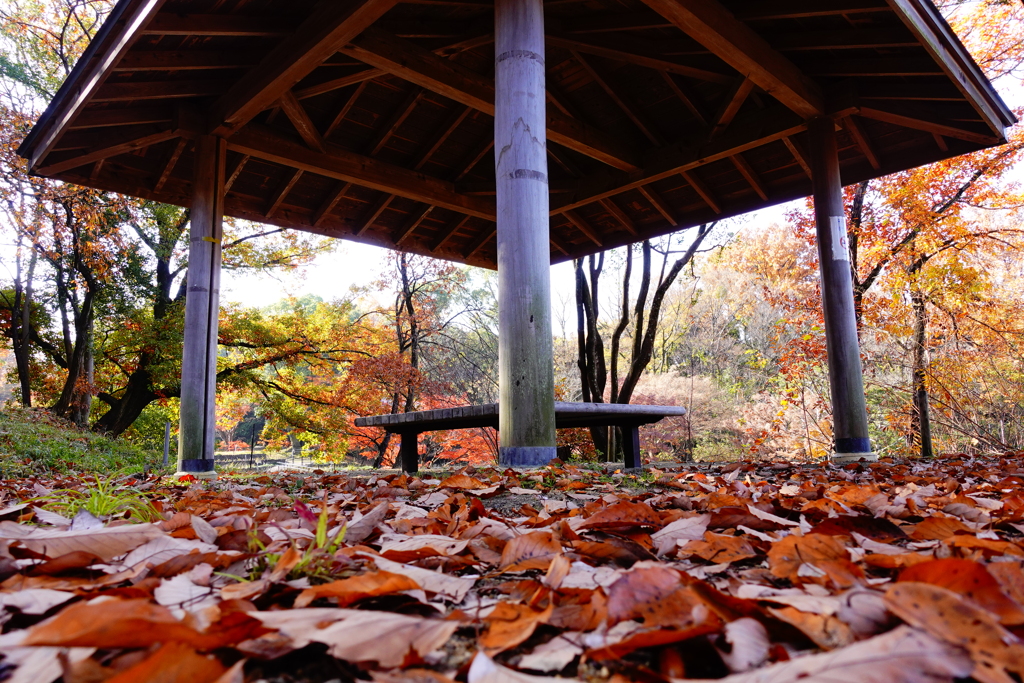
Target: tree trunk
point(20, 332)
point(921, 431)
point(77, 379)
point(126, 409)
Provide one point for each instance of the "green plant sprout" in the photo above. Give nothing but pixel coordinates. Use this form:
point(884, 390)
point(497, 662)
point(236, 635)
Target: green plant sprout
point(102, 500)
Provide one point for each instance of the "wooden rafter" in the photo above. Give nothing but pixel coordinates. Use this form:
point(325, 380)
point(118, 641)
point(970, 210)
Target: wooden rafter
point(282, 193)
point(345, 109)
point(337, 83)
point(919, 120)
point(186, 60)
point(860, 137)
point(158, 90)
point(295, 112)
point(703, 190)
point(754, 10)
point(324, 210)
point(453, 122)
point(645, 59)
point(118, 143)
point(419, 66)
point(232, 174)
point(413, 222)
point(398, 116)
point(485, 236)
point(798, 153)
point(714, 27)
point(628, 108)
point(364, 171)
point(217, 25)
point(330, 26)
point(749, 174)
point(731, 106)
point(125, 116)
point(374, 213)
point(449, 233)
point(474, 158)
point(618, 214)
point(584, 227)
point(659, 203)
point(169, 165)
point(689, 99)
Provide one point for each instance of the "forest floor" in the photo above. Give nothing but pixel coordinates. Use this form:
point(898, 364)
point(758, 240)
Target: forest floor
point(899, 571)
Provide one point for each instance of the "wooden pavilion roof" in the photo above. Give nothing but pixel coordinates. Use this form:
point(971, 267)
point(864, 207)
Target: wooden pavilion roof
point(371, 120)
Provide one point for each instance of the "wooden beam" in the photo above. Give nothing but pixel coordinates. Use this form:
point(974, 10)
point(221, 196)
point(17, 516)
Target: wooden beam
point(172, 160)
point(557, 97)
point(410, 225)
point(874, 67)
point(126, 116)
point(630, 110)
point(300, 119)
point(475, 157)
point(618, 214)
point(332, 200)
point(157, 90)
point(844, 39)
point(860, 137)
point(760, 10)
point(186, 60)
point(749, 174)
point(398, 116)
point(282, 193)
point(338, 83)
point(649, 60)
point(96, 169)
point(659, 203)
point(345, 109)
point(235, 171)
point(331, 25)
point(615, 22)
point(940, 142)
point(128, 141)
point(731, 107)
point(703, 190)
point(714, 27)
point(689, 99)
point(583, 226)
point(453, 122)
point(373, 214)
point(449, 233)
point(557, 244)
point(798, 153)
point(166, 24)
point(486, 235)
point(263, 143)
point(919, 120)
point(425, 69)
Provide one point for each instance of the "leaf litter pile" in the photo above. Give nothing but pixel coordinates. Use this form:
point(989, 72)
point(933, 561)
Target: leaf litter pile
point(898, 571)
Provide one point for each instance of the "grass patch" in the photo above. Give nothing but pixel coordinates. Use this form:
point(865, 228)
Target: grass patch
point(35, 442)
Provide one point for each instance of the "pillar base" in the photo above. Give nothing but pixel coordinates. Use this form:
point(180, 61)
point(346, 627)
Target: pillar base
point(208, 475)
point(845, 458)
point(526, 456)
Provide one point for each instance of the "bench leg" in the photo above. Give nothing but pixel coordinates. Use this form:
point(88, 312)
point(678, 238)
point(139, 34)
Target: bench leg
point(631, 446)
point(409, 452)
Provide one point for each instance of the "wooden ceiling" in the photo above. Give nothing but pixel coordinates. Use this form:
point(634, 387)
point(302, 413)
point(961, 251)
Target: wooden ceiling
point(371, 120)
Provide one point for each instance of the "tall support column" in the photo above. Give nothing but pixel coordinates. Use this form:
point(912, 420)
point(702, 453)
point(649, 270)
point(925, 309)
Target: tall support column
point(202, 308)
point(849, 408)
point(526, 419)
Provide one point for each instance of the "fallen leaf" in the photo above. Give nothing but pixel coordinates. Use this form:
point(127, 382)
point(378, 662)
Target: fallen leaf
point(748, 645)
point(796, 558)
point(455, 588)
point(938, 529)
point(462, 482)
point(361, 529)
point(530, 551)
point(485, 670)
point(173, 663)
point(509, 624)
point(106, 543)
point(720, 548)
point(904, 655)
point(623, 515)
point(657, 595)
point(347, 591)
point(971, 580)
point(401, 548)
point(827, 632)
point(667, 538)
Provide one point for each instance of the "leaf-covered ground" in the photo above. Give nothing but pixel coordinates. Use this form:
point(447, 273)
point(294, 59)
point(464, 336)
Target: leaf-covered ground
point(898, 571)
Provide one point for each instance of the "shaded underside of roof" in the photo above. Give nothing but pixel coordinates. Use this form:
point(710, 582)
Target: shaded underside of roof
point(657, 121)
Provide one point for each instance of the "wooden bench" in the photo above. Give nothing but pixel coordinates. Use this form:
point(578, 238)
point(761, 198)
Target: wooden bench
point(627, 416)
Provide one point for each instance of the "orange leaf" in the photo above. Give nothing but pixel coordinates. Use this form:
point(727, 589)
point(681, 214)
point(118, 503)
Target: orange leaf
point(657, 595)
point(623, 515)
point(720, 548)
point(530, 551)
point(462, 481)
point(938, 529)
point(347, 591)
point(811, 558)
point(172, 663)
point(510, 624)
point(971, 580)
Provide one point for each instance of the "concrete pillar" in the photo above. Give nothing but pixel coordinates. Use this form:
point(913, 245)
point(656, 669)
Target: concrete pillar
point(525, 355)
point(849, 408)
point(202, 308)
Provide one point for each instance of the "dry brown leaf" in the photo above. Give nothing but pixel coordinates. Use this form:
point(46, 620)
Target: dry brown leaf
point(402, 548)
point(719, 548)
point(173, 663)
point(959, 622)
point(509, 624)
point(685, 529)
point(657, 595)
point(812, 557)
point(454, 588)
point(106, 543)
point(530, 551)
point(971, 580)
point(361, 636)
point(347, 591)
point(827, 632)
point(361, 529)
point(938, 529)
point(904, 655)
point(462, 482)
point(623, 515)
point(485, 670)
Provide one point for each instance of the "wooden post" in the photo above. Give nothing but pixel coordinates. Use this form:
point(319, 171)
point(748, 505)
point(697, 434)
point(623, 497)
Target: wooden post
point(202, 308)
point(526, 420)
point(849, 408)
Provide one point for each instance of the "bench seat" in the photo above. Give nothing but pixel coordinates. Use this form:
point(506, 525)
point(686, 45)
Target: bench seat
point(567, 415)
